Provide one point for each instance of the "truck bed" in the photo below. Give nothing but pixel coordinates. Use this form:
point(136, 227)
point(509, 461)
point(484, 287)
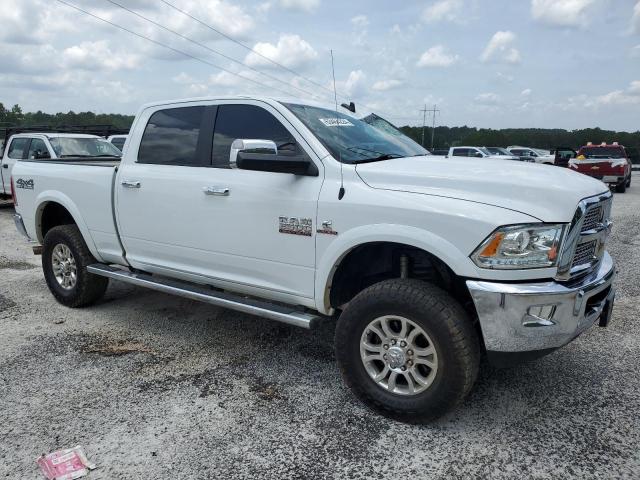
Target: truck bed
point(84, 187)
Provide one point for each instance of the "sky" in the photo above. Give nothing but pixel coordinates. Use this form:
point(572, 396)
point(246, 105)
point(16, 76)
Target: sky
point(485, 63)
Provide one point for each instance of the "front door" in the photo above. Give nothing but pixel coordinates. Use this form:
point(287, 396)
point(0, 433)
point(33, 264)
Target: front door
point(16, 150)
point(191, 213)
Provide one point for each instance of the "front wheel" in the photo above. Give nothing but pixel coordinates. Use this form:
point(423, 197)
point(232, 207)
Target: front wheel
point(407, 350)
point(65, 258)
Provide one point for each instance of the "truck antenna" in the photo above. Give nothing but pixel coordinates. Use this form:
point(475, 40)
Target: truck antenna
point(335, 97)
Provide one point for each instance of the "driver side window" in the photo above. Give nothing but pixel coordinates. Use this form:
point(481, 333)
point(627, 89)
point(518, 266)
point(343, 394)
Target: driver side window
point(247, 122)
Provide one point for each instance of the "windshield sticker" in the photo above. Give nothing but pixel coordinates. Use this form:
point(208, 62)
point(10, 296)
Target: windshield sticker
point(336, 122)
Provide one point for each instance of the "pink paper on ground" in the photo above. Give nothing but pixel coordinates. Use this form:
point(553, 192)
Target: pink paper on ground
point(65, 464)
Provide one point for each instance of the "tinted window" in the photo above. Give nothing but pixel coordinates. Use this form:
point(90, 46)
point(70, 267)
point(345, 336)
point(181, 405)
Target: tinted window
point(460, 152)
point(17, 148)
point(38, 149)
point(246, 122)
point(118, 142)
point(172, 137)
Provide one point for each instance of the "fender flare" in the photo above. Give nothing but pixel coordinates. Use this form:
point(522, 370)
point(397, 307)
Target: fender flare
point(331, 259)
point(53, 196)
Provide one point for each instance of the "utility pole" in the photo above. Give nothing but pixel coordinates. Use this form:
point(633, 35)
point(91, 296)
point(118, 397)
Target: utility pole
point(433, 111)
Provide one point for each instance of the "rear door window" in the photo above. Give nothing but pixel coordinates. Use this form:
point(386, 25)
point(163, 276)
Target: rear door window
point(17, 148)
point(461, 152)
point(176, 136)
point(247, 122)
point(38, 149)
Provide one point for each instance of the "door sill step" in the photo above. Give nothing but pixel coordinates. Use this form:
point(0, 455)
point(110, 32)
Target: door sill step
point(261, 308)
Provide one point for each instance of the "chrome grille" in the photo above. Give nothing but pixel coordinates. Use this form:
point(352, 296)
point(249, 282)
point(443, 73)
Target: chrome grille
point(584, 242)
point(585, 253)
point(593, 217)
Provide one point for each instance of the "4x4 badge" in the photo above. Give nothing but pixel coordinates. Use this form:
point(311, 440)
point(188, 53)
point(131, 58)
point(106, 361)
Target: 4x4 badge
point(327, 228)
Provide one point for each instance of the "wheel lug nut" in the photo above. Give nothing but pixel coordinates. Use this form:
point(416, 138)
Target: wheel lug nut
point(385, 346)
point(403, 343)
point(393, 342)
point(403, 368)
point(409, 363)
point(409, 352)
point(384, 356)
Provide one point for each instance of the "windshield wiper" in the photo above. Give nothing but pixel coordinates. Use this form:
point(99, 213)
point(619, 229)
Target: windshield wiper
point(384, 156)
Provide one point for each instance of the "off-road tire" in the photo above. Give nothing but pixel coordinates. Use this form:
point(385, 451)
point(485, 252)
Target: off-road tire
point(621, 188)
point(89, 288)
point(447, 324)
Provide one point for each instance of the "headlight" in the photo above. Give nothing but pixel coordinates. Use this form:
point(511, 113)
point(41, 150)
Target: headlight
point(520, 246)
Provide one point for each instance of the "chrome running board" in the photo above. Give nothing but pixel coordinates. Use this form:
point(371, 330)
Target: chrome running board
point(201, 293)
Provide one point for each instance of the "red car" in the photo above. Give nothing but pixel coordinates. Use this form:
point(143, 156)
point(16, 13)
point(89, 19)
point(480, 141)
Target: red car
point(609, 163)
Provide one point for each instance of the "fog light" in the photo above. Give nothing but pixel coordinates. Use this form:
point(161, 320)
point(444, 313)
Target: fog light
point(539, 316)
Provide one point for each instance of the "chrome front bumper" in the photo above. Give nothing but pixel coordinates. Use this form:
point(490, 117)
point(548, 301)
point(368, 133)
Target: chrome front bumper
point(516, 317)
point(17, 218)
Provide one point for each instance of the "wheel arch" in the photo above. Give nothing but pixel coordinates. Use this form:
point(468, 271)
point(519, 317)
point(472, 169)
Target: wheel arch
point(55, 208)
point(391, 240)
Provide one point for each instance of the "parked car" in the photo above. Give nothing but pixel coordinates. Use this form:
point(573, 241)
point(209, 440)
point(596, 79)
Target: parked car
point(562, 156)
point(50, 146)
point(296, 213)
point(118, 141)
point(538, 155)
point(503, 152)
point(478, 152)
point(609, 163)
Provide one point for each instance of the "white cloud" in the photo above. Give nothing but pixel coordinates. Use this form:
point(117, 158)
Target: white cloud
point(384, 85)
point(488, 99)
point(225, 79)
point(634, 87)
point(98, 56)
point(360, 21)
point(437, 56)
point(564, 13)
point(353, 85)
point(500, 48)
point(635, 20)
point(620, 98)
point(290, 51)
point(526, 92)
point(301, 5)
point(448, 10)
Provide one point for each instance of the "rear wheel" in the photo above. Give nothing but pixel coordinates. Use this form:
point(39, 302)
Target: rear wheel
point(65, 258)
point(629, 181)
point(622, 187)
point(407, 350)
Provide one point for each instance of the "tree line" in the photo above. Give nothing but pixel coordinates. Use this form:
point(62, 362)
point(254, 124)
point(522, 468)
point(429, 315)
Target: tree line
point(444, 137)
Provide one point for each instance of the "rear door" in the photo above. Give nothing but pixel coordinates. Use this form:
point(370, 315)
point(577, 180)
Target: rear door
point(183, 210)
point(16, 150)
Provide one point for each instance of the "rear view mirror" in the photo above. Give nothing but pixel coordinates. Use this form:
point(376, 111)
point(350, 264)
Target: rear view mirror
point(263, 156)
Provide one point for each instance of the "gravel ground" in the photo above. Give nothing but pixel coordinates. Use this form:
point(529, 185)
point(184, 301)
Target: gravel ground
point(155, 386)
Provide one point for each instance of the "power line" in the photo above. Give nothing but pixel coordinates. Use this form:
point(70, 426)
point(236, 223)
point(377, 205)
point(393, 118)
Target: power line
point(193, 57)
point(113, 2)
point(237, 42)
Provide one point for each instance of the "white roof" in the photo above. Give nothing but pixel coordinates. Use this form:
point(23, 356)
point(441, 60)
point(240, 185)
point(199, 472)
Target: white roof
point(55, 135)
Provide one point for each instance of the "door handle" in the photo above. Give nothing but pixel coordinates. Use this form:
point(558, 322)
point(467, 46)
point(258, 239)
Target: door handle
point(217, 191)
point(131, 184)
point(6, 165)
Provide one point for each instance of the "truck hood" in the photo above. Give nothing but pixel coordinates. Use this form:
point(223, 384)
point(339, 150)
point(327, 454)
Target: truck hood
point(548, 193)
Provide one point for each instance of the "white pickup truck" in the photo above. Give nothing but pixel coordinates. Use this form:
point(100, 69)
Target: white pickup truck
point(302, 214)
point(479, 152)
point(49, 146)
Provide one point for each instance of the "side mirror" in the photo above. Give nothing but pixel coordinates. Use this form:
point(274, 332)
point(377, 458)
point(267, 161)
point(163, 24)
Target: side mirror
point(263, 156)
point(41, 155)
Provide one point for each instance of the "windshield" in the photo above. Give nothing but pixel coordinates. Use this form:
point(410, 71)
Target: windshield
point(350, 140)
point(602, 152)
point(387, 127)
point(499, 151)
point(83, 147)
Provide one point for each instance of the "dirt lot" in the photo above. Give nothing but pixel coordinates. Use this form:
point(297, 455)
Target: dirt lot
point(155, 386)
